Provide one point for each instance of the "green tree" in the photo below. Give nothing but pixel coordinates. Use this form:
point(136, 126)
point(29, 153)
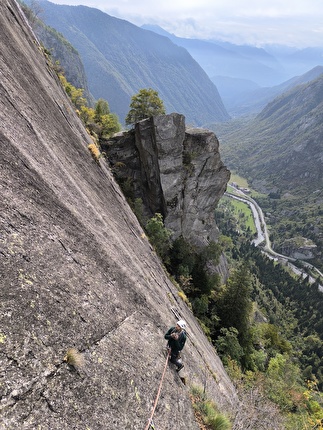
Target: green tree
point(283, 380)
point(107, 123)
point(144, 105)
point(235, 306)
point(75, 94)
point(227, 344)
point(86, 114)
point(200, 306)
point(101, 108)
point(159, 236)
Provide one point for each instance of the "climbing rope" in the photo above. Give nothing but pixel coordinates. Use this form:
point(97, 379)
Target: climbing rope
point(150, 423)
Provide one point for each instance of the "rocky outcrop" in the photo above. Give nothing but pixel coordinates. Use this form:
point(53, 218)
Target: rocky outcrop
point(299, 248)
point(78, 272)
point(176, 171)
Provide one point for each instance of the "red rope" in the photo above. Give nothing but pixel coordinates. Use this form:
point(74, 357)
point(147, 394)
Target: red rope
point(158, 393)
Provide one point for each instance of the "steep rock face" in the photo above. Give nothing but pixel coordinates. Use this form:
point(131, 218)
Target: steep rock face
point(67, 56)
point(77, 271)
point(176, 171)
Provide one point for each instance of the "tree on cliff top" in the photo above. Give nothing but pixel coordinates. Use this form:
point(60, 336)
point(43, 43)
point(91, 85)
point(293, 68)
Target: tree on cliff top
point(144, 105)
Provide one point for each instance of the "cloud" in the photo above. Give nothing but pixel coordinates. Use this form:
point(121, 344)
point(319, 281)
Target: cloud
point(291, 22)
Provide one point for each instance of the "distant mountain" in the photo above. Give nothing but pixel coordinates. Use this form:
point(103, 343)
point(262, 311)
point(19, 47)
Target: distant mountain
point(282, 148)
point(229, 60)
point(120, 58)
point(297, 61)
point(245, 75)
point(245, 97)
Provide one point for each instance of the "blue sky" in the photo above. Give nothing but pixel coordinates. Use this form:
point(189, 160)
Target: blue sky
point(257, 22)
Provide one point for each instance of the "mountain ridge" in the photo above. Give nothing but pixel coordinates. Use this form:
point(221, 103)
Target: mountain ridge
point(120, 59)
point(225, 59)
point(288, 124)
point(250, 101)
point(248, 77)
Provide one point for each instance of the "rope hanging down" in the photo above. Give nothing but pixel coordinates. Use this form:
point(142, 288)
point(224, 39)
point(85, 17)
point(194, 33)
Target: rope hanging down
point(150, 421)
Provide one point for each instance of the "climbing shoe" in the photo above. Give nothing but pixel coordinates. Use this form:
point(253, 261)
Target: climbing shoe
point(180, 368)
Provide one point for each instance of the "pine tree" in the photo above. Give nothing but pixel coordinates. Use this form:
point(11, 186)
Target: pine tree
point(235, 306)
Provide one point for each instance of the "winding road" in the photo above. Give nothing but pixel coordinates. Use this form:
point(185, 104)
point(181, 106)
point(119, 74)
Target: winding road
point(263, 236)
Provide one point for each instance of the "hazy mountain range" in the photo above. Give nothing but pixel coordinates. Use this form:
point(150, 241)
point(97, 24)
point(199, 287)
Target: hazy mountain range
point(242, 97)
point(248, 77)
point(225, 79)
point(120, 58)
point(221, 59)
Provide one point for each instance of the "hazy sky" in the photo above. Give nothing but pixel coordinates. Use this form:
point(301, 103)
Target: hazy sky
point(257, 22)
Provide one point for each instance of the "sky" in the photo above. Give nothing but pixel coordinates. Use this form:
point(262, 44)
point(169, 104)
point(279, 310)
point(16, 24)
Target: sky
point(296, 23)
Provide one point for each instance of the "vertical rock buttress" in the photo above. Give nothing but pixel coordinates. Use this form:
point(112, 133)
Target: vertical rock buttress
point(176, 171)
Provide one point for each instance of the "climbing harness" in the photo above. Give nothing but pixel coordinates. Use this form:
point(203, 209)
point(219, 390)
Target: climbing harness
point(150, 424)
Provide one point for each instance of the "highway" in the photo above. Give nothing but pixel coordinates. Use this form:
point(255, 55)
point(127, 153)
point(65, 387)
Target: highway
point(263, 238)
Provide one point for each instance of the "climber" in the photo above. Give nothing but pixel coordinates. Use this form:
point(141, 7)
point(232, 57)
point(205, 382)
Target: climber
point(176, 337)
